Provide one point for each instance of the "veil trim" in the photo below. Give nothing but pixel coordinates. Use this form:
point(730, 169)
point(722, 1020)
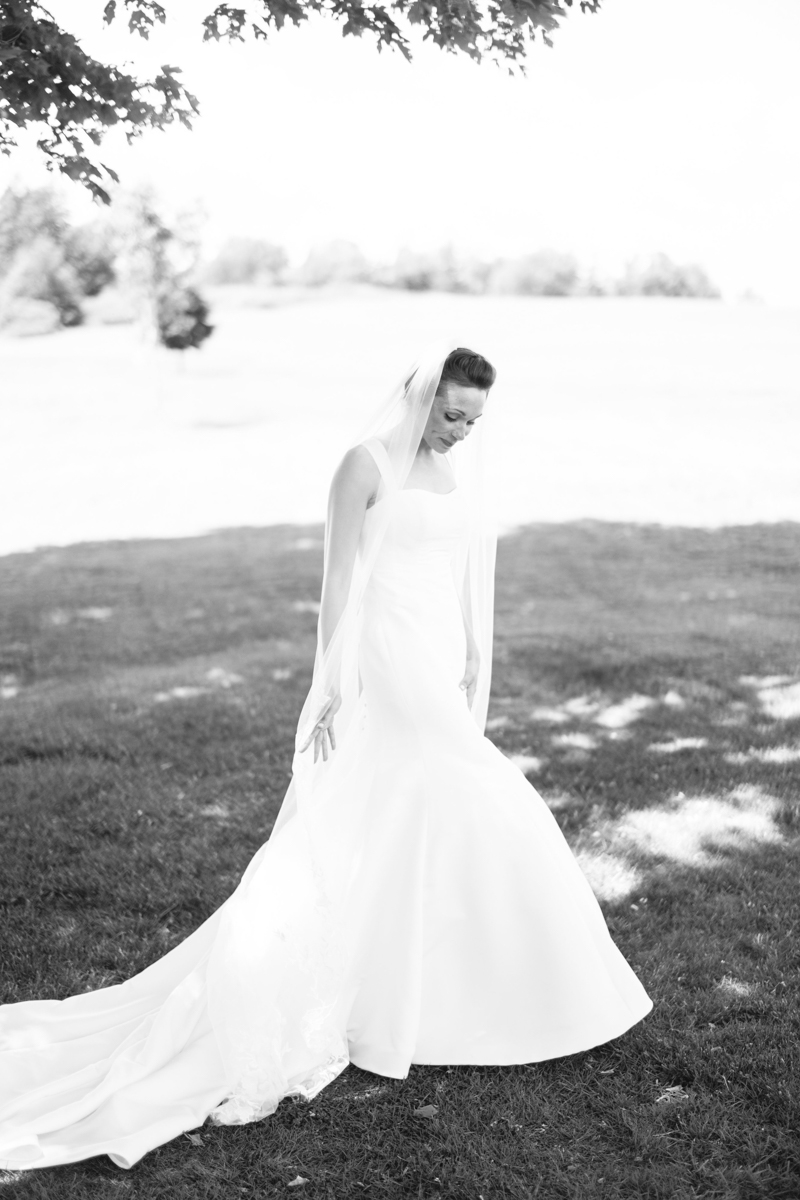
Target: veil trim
point(382, 461)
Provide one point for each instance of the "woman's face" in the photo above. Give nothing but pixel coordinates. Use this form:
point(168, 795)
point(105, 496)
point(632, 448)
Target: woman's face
point(452, 416)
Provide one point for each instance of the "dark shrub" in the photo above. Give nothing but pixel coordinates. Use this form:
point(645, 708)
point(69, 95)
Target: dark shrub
point(181, 315)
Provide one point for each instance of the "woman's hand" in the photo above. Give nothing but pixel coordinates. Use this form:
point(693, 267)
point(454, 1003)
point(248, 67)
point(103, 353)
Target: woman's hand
point(470, 680)
point(323, 731)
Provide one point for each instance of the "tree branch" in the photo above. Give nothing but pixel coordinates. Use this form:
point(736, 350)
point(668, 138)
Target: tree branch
point(47, 80)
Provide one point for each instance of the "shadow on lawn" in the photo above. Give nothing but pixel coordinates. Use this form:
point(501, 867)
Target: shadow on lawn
point(647, 681)
point(657, 780)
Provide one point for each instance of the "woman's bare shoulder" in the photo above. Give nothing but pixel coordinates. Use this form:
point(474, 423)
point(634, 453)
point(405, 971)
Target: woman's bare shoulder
point(357, 471)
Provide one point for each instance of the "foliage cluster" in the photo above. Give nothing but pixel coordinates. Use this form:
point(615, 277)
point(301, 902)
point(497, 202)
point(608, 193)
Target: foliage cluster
point(158, 260)
point(540, 273)
point(49, 83)
point(48, 267)
point(247, 260)
point(662, 277)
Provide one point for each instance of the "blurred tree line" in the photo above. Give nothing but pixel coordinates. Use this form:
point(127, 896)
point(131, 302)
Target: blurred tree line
point(49, 267)
point(149, 267)
point(542, 273)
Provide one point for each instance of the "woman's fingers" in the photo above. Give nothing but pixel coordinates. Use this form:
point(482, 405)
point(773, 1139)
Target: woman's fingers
point(323, 722)
point(469, 682)
point(323, 733)
point(312, 737)
point(471, 671)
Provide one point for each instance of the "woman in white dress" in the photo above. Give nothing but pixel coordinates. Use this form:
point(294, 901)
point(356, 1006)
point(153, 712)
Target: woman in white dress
point(416, 901)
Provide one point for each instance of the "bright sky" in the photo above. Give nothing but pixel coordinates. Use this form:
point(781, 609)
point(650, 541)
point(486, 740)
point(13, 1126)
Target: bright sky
point(654, 125)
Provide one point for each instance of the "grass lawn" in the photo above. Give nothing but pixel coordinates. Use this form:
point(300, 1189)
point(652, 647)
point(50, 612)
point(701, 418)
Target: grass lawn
point(648, 681)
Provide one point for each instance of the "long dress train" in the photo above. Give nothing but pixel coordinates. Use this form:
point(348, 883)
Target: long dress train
point(466, 932)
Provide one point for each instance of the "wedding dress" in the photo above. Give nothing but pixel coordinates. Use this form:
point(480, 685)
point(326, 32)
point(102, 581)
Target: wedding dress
point(431, 912)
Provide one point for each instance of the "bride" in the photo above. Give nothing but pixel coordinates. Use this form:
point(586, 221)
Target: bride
point(416, 901)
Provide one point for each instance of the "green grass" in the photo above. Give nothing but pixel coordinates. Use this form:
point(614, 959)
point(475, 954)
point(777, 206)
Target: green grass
point(127, 819)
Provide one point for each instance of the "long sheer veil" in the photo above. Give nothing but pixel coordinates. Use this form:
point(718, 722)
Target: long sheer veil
point(294, 961)
point(397, 426)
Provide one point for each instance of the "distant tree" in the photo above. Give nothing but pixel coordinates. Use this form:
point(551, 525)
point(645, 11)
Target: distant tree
point(43, 261)
point(591, 285)
point(413, 271)
point(41, 272)
point(660, 276)
point(545, 273)
point(443, 270)
point(91, 250)
point(157, 261)
point(247, 260)
point(47, 81)
point(25, 215)
point(336, 262)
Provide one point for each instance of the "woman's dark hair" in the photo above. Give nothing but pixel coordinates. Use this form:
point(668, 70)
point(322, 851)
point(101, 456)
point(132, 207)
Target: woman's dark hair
point(467, 368)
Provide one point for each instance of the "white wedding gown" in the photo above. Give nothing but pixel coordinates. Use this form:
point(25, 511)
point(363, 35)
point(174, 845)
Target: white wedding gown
point(465, 932)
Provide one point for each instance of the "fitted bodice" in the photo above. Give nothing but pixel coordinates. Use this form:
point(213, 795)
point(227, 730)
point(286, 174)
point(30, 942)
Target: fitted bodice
point(411, 634)
point(422, 536)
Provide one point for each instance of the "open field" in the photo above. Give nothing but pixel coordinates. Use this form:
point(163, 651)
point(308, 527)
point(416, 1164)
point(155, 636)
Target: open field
point(647, 680)
point(681, 412)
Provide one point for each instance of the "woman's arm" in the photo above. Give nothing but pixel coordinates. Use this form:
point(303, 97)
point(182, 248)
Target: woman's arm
point(354, 485)
point(473, 663)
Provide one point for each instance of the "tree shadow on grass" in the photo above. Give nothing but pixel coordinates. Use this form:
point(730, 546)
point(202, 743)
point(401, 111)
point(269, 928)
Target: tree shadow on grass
point(642, 667)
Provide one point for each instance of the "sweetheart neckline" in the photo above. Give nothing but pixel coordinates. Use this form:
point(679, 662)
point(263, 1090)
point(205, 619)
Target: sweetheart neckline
point(430, 492)
point(424, 491)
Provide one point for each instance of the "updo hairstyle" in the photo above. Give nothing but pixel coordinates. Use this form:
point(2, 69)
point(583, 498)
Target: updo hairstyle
point(468, 369)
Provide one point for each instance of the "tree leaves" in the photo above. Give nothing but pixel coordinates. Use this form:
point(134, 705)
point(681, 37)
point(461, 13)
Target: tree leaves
point(46, 78)
point(144, 14)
